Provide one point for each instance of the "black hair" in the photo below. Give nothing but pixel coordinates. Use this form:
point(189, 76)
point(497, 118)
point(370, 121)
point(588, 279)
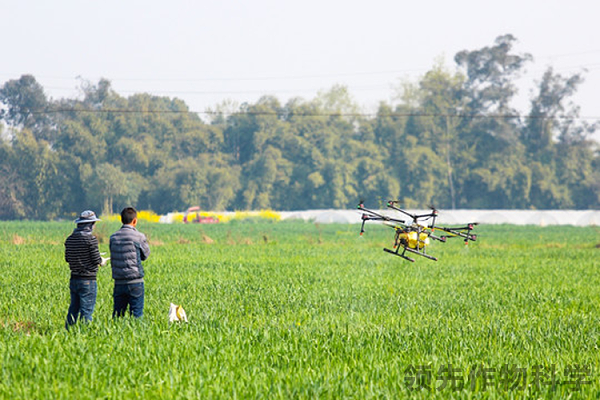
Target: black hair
point(128, 215)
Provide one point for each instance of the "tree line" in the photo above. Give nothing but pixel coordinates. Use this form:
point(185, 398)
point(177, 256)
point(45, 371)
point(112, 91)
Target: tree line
point(453, 141)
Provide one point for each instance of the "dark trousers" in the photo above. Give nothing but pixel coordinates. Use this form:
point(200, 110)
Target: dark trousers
point(83, 300)
point(132, 295)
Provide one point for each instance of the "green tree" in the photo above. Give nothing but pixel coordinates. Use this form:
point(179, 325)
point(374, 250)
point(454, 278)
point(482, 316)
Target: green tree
point(108, 187)
point(441, 103)
point(96, 95)
point(504, 181)
point(490, 73)
point(491, 134)
point(545, 123)
point(12, 188)
point(39, 170)
point(337, 100)
point(558, 141)
point(490, 88)
point(26, 106)
point(203, 181)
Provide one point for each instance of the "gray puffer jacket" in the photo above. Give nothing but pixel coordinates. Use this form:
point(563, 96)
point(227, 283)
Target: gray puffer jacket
point(128, 248)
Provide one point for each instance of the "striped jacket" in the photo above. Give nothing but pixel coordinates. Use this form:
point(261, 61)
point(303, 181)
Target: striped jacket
point(128, 248)
point(82, 254)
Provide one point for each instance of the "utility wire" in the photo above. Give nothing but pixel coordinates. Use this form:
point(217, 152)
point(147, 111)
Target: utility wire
point(230, 92)
point(297, 77)
point(310, 114)
point(258, 78)
point(308, 76)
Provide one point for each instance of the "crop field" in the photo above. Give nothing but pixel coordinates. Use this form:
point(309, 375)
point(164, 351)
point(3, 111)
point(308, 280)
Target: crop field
point(299, 310)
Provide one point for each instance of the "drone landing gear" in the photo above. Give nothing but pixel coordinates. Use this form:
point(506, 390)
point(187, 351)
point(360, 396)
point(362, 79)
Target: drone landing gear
point(422, 254)
point(411, 251)
point(399, 255)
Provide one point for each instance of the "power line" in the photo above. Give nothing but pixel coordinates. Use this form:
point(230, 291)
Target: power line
point(257, 78)
point(301, 76)
point(579, 53)
point(293, 77)
point(215, 92)
point(313, 114)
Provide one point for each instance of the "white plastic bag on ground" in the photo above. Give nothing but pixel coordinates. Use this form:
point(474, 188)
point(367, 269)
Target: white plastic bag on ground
point(177, 313)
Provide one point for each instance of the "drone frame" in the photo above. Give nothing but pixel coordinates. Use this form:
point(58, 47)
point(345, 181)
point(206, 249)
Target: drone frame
point(402, 230)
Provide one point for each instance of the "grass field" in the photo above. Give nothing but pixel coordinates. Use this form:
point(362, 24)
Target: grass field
point(298, 310)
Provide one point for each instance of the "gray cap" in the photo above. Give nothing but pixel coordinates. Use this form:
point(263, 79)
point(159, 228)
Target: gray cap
point(87, 216)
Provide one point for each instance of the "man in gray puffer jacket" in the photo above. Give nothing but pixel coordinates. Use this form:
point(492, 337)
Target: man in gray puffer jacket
point(128, 248)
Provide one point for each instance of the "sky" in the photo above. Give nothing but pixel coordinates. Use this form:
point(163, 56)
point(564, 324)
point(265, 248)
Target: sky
point(208, 52)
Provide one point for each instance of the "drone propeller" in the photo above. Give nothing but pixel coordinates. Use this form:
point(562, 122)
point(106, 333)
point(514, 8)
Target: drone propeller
point(370, 215)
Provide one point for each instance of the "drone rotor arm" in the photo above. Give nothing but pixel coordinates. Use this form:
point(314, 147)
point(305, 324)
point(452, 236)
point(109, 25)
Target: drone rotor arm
point(460, 232)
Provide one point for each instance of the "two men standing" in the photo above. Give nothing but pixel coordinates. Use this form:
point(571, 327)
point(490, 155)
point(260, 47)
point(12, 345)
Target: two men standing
point(128, 248)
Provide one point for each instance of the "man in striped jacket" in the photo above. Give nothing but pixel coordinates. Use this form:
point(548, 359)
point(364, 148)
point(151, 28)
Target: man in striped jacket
point(83, 256)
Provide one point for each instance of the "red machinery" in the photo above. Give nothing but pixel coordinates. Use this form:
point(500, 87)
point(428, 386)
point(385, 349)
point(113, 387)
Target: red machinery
point(193, 215)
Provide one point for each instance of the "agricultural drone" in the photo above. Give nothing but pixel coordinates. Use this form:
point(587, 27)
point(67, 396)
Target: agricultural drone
point(415, 236)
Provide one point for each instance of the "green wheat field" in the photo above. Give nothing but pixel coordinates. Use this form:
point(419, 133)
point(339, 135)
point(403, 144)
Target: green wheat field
point(300, 310)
